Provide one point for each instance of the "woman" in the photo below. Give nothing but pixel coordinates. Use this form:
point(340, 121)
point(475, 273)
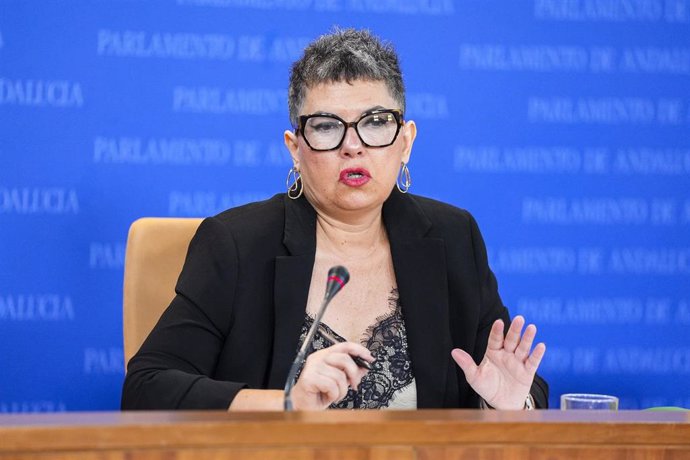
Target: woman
point(422, 305)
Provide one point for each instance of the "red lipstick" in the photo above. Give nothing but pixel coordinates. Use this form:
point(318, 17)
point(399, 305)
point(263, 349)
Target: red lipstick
point(354, 177)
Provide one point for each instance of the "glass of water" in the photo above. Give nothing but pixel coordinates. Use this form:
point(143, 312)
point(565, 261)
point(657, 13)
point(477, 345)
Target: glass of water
point(584, 401)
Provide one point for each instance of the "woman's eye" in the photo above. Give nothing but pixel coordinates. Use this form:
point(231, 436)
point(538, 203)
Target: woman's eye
point(376, 121)
point(325, 126)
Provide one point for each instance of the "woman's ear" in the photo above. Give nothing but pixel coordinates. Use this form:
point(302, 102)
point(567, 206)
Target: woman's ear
point(291, 143)
point(409, 134)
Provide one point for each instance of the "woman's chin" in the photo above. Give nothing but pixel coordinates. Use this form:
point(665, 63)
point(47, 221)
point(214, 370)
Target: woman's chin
point(359, 201)
point(349, 199)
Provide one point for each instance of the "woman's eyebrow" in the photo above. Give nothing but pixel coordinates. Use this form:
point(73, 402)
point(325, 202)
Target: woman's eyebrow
point(376, 107)
point(367, 110)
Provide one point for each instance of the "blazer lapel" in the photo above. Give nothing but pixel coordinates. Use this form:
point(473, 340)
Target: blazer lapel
point(421, 274)
point(291, 286)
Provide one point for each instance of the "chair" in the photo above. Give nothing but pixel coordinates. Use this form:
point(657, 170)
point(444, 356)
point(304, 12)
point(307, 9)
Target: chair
point(156, 249)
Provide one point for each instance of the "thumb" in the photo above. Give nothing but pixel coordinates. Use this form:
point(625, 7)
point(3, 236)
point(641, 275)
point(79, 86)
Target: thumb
point(466, 363)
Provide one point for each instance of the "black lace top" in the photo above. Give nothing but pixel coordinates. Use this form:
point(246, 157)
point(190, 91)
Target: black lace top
point(390, 382)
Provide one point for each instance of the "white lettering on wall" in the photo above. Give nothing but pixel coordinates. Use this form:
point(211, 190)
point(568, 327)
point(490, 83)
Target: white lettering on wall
point(408, 7)
point(107, 255)
point(228, 101)
point(635, 360)
point(184, 152)
point(36, 307)
point(103, 360)
point(188, 46)
point(607, 110)
point(599, 10)
point(665, 261)
point(21, 407)
point(427, 105)
point(644, 261)
point(541, 58)
point(38, 201)
point(651, 60)
point(175, 45)
point(533, 260)
point(41, 93)
point(201, 204)
point(587, 211)
point(572, 160)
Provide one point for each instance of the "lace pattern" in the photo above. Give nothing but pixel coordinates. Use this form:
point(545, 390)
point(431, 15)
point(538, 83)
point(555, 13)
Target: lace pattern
point(391, 373)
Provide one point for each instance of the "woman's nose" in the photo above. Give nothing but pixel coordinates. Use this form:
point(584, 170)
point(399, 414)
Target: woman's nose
point(352, 144)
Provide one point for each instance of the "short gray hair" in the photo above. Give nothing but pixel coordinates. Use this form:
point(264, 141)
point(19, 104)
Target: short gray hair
point(345, 55)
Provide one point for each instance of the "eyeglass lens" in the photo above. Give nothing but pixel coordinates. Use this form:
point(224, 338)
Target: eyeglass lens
point(324, 132)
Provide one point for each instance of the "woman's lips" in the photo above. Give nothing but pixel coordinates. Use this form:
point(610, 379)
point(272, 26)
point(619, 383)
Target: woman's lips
point(354, 177)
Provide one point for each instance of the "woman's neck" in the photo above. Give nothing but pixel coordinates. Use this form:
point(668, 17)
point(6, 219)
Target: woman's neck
point(355, 238)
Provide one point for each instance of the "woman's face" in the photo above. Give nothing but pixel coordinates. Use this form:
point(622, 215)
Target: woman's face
point(352, 177)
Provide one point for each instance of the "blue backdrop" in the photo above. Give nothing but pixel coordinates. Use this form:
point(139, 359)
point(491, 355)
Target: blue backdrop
point(562, 125)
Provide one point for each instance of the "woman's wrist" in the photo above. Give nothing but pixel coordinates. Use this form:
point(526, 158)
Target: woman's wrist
point(257, 400)
point(529, 403)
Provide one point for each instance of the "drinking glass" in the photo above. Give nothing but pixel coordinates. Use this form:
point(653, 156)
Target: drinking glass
point(584, 401)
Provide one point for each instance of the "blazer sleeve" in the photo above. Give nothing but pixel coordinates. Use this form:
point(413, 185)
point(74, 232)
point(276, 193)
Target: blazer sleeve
point(175, 366)
point(493, 309)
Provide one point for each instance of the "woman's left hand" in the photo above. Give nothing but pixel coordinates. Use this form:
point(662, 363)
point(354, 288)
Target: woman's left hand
point(505, 375)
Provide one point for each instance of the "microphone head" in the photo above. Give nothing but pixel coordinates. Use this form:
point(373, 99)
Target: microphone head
point(339, 272)
point(338, 277)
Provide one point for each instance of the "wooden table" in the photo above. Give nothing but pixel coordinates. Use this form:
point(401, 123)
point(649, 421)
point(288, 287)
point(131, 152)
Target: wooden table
point(424, 434)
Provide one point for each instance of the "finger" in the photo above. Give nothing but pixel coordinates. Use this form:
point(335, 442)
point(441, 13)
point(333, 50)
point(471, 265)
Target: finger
point(535, 358)
point(345, 363)
point(341, 379)
point(356, 378)
point(522, 351)
point(354, 349)
point(324, 388)
point(466, 363)
point(319, 376)
point(496, 336)
point(361, 372)
point(334, 379)
point(513, 335)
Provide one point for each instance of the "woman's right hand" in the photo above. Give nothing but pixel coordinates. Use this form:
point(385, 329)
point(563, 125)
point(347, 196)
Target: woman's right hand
point(327, 375)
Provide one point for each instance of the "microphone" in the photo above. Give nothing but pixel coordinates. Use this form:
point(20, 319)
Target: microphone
point(338, 277)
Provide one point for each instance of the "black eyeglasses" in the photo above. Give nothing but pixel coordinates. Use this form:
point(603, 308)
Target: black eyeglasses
point(375, 128)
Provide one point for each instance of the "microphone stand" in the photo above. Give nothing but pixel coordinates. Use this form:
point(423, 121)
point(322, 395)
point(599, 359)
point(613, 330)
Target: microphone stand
point(338, 276)
point(301, 355)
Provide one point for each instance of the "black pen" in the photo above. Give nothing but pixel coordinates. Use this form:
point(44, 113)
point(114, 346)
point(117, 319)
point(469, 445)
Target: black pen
point(359, 361)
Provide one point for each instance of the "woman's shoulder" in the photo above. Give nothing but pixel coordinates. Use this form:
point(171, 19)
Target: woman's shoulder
point(251, 220)
point(256, 210)
point(455, 225)
point(441, 212)
point(409, 215)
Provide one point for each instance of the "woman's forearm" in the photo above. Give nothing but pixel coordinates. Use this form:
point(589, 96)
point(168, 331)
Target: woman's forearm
point(257, 400)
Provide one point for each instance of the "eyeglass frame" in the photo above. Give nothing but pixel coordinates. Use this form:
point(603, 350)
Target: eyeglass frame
point(397, 114)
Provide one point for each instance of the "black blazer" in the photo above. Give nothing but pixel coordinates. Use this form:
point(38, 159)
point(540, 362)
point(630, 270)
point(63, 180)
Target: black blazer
point(235, 321)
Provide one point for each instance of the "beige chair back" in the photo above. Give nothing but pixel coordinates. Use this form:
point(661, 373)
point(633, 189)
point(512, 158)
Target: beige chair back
point(156, 249)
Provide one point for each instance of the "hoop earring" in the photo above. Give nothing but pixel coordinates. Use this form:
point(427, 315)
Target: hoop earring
point(295, 189)
point(403, 181)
